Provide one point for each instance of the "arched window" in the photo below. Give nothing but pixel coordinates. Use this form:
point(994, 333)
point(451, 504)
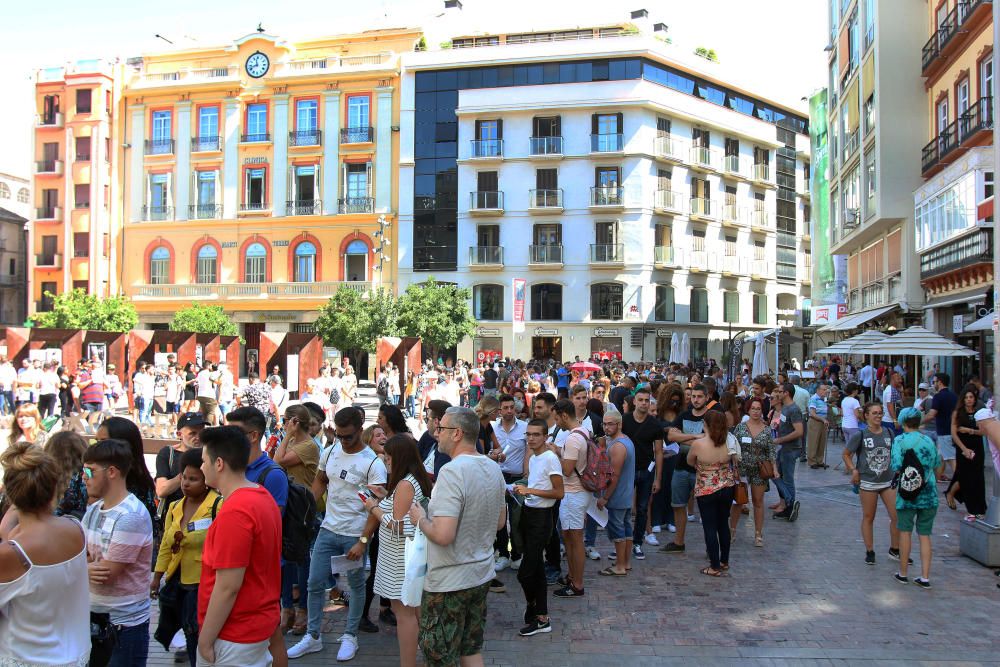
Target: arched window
point(23, 195)
point(356, 261)
point(208, 262)
point(606, 300)
point(487, 302)
point(546, 301)
point(159, 266)
point(663, 309)
point(255, 263)
point(4, 191)
point(305, 262)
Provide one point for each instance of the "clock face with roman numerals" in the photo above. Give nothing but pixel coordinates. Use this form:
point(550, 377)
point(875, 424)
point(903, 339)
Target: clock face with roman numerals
point(258, 64)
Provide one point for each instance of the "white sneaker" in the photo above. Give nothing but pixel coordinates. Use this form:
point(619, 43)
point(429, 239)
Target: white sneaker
point(651, 540)
point(515, 564)
point(308, 644)
point(656, 529)
point(348, 648)
point(502, 563)
point(593, 554)
point(671, 528)
point(179, 642)
point(691, 517)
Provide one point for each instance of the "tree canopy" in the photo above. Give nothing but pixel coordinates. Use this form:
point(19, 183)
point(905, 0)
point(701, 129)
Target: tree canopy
point(201, 318)
point(350, 321)
point(78, 310)
point(438, 313)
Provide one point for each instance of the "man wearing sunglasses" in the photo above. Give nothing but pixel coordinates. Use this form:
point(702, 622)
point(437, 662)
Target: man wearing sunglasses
point(119, 554)
point(345, 469)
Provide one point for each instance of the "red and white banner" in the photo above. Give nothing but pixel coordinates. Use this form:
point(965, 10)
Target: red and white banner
point(520, 284)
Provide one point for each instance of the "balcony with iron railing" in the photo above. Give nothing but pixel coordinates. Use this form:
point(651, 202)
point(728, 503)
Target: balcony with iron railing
point(81, 204)
point(206, 144)
point(486, 202)
point(607, 253)
point(263, 291)
point(546, 200)
point(159, 146)
point(972, 128)
point(545, 146)
point(965, 251)
point(607, 143)
point(487, 149)
point(204, 211)
point(668, 201)
point(959, 27)
point(255, 138)
point(49, 213)
point(357, 135)
point(49, 168)
point(303, 207)
point(349, 205)
point(704, 158)
point(881, 292)
point(607, 197)
point(255, 207)
point(311, 137)
point(157, 213)
point(53, 120)
point(669, 149)
point(702, 208)
point(485, 255)
point(545, 254)
point(85, 156)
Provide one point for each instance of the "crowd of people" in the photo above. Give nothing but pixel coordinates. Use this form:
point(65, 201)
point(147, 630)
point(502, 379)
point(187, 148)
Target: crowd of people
point(265, 510)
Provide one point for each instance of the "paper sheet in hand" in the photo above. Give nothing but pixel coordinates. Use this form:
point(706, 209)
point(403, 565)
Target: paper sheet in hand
point(341, 565)
point(597, 514)
point(517, 498)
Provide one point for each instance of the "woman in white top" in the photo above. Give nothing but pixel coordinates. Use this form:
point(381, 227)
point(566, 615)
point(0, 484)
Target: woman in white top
point(851, 411)
point(44, 598)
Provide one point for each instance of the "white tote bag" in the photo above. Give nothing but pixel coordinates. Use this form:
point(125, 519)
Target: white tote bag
point(414, 569)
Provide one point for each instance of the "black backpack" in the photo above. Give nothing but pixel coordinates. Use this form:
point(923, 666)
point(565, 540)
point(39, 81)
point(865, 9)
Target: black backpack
point(298, 523)
point(911, 480)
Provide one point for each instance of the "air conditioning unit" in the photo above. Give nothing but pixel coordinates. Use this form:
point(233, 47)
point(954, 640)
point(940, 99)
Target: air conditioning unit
point(850, 218)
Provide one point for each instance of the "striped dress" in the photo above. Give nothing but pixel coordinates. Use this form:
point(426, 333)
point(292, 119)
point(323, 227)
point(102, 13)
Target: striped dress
point(391, 548)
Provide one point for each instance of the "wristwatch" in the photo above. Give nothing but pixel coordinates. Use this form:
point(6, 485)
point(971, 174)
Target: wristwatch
point(363, 539)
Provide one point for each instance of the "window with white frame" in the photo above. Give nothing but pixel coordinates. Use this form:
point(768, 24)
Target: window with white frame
point(946, 213)
point(208, 262)
point(159, 266)
point(255, 263)
point(305, 262)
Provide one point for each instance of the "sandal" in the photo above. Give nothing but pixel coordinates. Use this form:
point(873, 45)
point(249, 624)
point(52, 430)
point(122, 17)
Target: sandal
point(710, 572)
point(951, 503)
point(610, 572)
point(758, 541)
point(724, 567)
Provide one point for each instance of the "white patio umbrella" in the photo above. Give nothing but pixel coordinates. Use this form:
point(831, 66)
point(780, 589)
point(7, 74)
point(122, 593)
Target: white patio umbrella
point(675, 343)
point(684, 354)
point(759, 357)
point(855, 344)
point(918, 341)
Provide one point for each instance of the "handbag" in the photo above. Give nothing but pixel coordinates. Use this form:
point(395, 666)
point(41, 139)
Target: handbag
point(414, 569)
point(740, 494)
point(766, 470)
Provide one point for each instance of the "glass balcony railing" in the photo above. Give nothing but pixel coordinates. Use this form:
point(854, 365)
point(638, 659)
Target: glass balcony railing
point(545, 254)
point(607, 143)
point(545, 198)
point(487, 148)
point(546, 145)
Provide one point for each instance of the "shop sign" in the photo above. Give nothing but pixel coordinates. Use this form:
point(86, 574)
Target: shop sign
point(664, 333)
point(957, 324)
point(546, 332)
point(483, 331)
point(605, 333)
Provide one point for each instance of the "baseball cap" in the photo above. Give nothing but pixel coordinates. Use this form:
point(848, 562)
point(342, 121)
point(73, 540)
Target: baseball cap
point(191, 419)
point(923, 385)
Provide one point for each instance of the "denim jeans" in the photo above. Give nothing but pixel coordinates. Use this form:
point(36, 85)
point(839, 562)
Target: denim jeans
point(295, 574)
point(535, 527)
point(145, 411)
point(786, 468)
point(130, 648)
point(714, 509)
point(6, 402)
point(410, 407)
point(330, 544)
point(643, 489)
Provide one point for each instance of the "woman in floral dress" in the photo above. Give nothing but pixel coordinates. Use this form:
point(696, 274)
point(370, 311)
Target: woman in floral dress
point(756, 446)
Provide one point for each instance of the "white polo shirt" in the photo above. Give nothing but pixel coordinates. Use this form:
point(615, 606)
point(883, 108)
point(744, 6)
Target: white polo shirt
point(513, 445)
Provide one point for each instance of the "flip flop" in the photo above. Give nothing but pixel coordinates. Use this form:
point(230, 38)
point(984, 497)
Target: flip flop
point(710, 572)
point(610, 572)
point(951, 504)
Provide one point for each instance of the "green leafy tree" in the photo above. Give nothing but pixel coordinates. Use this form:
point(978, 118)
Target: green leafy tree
point(438, 313)
point(78, 310)
point(353, 322)
point(201, 318)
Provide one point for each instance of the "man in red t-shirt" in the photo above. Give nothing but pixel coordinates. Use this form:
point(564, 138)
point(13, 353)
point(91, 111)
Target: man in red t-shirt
point(238, 596)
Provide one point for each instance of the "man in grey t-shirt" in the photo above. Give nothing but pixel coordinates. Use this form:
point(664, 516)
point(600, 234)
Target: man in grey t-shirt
point(789, 436)
point(465, 512)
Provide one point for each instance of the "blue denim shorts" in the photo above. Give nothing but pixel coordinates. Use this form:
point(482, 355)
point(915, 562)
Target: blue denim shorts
point(681, 487)
point(619, 524)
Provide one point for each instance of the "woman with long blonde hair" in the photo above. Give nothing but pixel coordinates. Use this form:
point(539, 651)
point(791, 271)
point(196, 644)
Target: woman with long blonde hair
point(27, 426)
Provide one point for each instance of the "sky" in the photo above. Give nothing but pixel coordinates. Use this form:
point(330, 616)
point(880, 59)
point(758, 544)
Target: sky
point(771, 47)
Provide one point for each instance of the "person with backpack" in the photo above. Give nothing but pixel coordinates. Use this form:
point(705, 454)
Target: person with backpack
point(867, 457)
point(544, 487)
point(619, 494)
point(576, 499)
point(917, 462)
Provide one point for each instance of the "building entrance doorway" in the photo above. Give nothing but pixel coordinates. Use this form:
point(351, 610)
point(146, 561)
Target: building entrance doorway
point(546, 347)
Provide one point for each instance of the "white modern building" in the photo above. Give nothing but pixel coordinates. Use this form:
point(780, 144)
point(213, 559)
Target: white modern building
point(634, 195)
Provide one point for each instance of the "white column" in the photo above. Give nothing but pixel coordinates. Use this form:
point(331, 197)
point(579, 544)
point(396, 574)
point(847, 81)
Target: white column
point(331, 151)
point(136, 155)
point(279, 170)
point(383, 150)
point(230, 163)
point(183, 148)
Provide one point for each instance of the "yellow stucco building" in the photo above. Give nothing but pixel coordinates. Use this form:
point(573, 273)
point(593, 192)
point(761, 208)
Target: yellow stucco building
point(259, 175)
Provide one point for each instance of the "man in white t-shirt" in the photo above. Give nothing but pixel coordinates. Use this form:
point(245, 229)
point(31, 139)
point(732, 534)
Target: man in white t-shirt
point(208, 396)
point(174, 394)
point(545, 486)
point(227, 389)
point(144, 390)
point(8, 377)
point(345, 468)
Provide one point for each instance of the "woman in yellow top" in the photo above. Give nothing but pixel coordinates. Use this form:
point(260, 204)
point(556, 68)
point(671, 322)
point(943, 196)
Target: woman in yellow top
point(179, 560)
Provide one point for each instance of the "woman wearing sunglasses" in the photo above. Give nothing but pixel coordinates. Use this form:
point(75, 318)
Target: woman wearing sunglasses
point(179, 560)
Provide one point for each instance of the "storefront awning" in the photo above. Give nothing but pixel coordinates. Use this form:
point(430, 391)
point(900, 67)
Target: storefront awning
point(942, 301)
point(856, 320)
point(984, 323)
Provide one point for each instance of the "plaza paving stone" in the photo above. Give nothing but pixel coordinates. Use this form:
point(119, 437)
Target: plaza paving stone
point(805, 598)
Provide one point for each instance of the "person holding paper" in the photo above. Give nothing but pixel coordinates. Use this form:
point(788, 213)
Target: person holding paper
point(545, 487)
point(620, 493)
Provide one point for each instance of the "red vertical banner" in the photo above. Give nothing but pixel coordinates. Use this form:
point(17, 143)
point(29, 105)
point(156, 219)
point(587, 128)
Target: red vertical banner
point(520, 284)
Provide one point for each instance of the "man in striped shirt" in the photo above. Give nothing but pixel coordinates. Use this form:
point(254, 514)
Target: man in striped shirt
point(91, 393)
